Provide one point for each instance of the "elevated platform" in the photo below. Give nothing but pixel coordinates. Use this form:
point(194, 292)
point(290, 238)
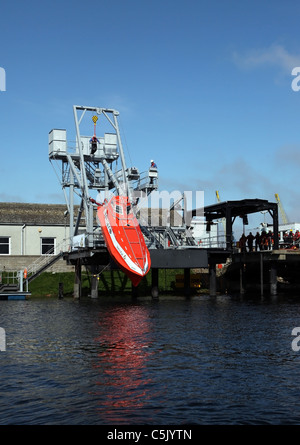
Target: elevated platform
point(266, 265)
point(280, 255)
point(160, 258)
point(230, 210)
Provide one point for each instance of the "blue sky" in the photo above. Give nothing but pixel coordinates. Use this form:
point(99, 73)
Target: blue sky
point(203, 88)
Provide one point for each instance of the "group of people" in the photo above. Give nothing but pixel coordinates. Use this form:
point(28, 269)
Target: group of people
point(291, 239)
point(265, 240)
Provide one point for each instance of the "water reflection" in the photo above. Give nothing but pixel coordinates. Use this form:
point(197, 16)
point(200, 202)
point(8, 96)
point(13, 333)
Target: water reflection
point(124, 351)
point(202, 361)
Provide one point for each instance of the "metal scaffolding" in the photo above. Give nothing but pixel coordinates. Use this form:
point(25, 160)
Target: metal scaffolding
point(93, 165)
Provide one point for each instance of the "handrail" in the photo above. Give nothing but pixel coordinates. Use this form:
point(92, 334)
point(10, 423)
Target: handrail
point(9, 276)
point(46, 258)
point(11, 280)
point(218, 241)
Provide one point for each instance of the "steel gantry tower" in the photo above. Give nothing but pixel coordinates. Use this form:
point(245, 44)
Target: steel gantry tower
point(90, 163)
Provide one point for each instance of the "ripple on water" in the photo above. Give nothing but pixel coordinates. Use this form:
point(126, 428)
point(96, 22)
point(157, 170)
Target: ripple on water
point(200, 361)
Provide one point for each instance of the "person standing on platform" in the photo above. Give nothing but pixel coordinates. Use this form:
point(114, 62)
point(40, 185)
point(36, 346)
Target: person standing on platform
point(152, 166)
point(269, 237)
point(250, 239)
point(243, 243)
point(257, 241)
point(263, 240)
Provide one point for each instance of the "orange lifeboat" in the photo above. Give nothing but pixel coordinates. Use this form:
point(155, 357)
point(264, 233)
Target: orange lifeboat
point(123, 238)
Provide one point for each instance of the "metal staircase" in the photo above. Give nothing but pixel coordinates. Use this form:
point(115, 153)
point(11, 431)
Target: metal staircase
point(40, 266)
point(44, 261)
point(8, 287)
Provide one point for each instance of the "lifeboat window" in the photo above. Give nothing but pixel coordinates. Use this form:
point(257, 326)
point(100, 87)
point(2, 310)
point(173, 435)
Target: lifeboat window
point(119, 209)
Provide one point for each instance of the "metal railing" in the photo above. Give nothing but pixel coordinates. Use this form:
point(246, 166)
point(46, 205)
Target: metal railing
point(212, 242)
point(9, 276)
point(11, 280)
point(46, 259)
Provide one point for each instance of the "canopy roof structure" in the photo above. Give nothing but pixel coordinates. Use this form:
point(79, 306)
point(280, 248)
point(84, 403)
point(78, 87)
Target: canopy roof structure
point(231, 209)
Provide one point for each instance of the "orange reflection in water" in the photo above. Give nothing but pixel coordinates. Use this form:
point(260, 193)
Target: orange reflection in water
point(124, 352)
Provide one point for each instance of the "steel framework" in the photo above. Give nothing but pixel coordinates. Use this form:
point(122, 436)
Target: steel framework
point(92, 165)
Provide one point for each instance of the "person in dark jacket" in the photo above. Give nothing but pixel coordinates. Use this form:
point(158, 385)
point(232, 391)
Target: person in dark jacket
point(250, 239)
point(257, 241)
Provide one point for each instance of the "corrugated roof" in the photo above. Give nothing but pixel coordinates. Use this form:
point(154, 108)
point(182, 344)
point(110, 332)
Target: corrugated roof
point(54, 214)
point(159, 217)
point(33, 214)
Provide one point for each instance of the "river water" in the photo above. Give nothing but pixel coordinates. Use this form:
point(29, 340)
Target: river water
point(220, 360)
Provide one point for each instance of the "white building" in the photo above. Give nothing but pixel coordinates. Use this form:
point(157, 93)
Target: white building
point(28, 231)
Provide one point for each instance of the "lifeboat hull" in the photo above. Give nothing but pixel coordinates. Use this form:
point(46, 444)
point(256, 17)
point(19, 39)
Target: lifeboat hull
point(123, 238)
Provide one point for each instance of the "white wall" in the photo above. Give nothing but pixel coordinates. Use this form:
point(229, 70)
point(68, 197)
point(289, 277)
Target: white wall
point(27, 240)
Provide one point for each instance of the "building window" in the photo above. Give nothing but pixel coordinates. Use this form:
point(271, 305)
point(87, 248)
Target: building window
point(48, 246)
point(4, 245)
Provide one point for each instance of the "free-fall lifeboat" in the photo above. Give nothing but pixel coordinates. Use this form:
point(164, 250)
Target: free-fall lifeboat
point(123, 238)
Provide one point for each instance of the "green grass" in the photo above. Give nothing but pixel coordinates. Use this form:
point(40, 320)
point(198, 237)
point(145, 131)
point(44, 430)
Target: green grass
point(47, 284)
point(110, 282)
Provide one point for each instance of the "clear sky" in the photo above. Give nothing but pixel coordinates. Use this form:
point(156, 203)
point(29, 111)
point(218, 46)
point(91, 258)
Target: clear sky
point(203, 88)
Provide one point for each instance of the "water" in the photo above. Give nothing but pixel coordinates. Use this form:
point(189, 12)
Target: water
point(208, 360)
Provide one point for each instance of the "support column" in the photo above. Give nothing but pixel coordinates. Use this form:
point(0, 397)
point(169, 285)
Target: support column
point(60, 290)
point(275, 227)
point(134, 292)
point(273, 279)
point(261, 274)
point(21, 274)
point(242, 278)
point(71, 207)
point(212, 280)
point(112, 277)
point(94, 268)
point(154, 289)
point(94, 286)
point(228, 228)
point(187, 282)
point(77, 281)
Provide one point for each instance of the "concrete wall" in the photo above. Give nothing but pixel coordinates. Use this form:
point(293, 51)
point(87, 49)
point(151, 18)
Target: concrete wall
point(26, 240)
point(19, 262)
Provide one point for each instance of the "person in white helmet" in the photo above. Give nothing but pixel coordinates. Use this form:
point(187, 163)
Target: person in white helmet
point(152, 166)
